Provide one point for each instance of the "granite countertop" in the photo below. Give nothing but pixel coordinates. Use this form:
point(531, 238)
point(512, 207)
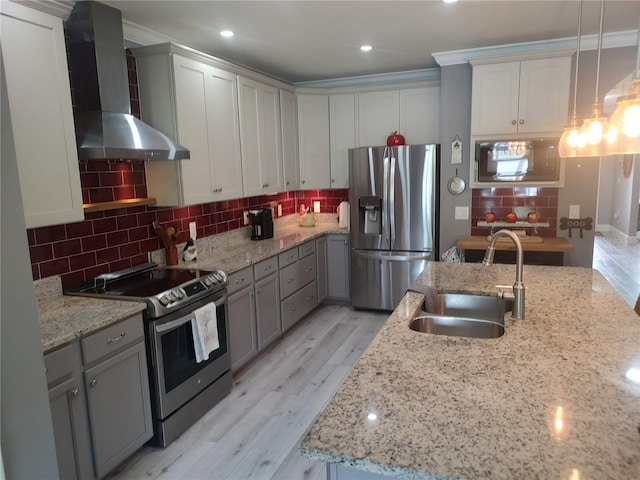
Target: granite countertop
point(547, 400)
point(64, 319)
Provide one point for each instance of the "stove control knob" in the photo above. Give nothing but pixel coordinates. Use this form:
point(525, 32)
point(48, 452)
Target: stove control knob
point(219, 276)
point(207, 281)
point(173, 297)
point(179, 293)
point(164, 300)
point(213, 278)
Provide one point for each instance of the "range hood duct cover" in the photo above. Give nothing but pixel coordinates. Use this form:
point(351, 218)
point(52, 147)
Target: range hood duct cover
point(105, 127)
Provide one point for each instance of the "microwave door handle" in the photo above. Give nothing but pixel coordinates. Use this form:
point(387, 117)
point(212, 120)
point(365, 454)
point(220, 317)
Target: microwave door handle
point(165, 327)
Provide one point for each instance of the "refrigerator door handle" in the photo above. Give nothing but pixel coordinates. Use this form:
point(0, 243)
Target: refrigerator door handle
point(385, 198)
point(392, 199)
point(398, 258)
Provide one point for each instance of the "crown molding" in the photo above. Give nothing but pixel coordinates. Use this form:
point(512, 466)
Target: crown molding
point(428, 75)
point(626, 38)
point(57, 8)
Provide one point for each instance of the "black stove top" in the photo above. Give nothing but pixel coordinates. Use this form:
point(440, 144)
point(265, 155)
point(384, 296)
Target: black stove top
point(163, 289)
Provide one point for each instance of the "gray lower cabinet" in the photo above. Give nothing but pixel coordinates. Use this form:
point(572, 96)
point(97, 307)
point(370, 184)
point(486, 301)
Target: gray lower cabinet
point(321, 268)
point(338, 268)
point(267, 297)
point(298, 287)
point(68, 413)
point(99, 397)
point(243, 336)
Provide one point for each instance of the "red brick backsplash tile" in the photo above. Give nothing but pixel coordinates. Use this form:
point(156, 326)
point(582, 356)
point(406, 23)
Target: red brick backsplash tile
point(41, 253)
point(67, 248)
point(502, 200)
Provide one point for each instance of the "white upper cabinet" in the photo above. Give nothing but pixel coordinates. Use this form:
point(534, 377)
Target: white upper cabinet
point(289, 123)
point(196, 104)
point(260, 138)
point(420, 115)
point(313, 138)
point(342, 123)
point(412, 112)
point(528, 96)
point(378, 117)
point(37, 81)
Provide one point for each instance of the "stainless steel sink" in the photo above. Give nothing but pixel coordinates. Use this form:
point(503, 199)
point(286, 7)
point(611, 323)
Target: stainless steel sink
point(482, 307)
point(457, 326)
point(462, 315)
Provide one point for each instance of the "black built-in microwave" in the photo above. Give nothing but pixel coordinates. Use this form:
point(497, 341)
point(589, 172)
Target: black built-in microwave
point(529, 160)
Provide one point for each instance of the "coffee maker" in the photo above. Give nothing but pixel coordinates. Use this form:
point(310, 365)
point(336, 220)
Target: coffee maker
point(261, 224)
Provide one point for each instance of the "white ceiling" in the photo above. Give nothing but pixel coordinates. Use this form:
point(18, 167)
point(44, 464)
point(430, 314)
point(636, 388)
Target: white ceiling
point(301, 40)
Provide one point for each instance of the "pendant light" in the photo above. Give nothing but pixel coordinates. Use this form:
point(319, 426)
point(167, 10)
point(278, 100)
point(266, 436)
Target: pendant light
point(623, 136)
point(594, 128)
point(570, 140)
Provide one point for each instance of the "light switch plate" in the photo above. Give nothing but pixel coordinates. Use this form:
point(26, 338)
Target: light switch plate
point(462, 213)
point(574, 211)
point(316, 206)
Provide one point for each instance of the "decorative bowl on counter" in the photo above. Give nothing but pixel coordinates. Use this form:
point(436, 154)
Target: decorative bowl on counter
point(307, 220)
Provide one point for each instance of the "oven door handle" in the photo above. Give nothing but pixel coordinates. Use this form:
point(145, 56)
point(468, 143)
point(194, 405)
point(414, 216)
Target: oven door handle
point(165, 327)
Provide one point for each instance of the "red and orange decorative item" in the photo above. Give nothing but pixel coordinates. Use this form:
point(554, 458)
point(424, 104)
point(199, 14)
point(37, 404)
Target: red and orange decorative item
point(511, 217)
point(533, 217)
point(168, 237)
point(490, 217)
point(395, 139)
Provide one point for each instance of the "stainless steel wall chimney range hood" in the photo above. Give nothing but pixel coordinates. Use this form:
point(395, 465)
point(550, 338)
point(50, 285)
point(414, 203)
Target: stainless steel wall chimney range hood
point(105, 127)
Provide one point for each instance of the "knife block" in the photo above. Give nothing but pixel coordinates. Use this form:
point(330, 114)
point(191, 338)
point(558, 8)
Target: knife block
point(172, 255)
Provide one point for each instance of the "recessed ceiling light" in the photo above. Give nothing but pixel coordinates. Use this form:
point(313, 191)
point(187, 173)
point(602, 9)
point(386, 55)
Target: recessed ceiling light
point(449, 1)
point(366, 48)
point(226, 33)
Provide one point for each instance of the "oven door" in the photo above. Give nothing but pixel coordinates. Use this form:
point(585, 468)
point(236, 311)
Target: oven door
point(176, 375)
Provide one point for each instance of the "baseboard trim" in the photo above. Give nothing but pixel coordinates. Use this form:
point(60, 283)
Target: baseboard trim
point(629, 240)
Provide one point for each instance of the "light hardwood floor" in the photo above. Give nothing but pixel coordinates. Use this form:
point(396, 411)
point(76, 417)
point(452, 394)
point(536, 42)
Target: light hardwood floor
point(255, 432)
point(619, 262)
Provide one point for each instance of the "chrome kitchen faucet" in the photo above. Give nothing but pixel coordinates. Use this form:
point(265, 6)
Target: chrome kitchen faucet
point(518, 286)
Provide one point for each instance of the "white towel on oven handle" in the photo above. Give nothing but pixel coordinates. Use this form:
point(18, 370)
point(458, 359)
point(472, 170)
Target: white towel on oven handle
point(205, 331)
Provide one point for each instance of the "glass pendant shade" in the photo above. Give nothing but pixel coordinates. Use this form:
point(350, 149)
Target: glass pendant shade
point(623, 136)
point(592, 134)
point(571, 142)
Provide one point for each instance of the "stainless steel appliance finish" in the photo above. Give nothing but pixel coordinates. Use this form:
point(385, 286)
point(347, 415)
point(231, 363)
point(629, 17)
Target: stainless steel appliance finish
point(182, 390)
point(393, 198)
point(105, 127)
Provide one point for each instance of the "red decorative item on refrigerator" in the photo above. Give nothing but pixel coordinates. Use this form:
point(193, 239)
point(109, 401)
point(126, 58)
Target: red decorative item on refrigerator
point(395, 139)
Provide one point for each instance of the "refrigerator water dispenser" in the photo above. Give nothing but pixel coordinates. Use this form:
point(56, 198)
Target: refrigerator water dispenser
point(370, 218)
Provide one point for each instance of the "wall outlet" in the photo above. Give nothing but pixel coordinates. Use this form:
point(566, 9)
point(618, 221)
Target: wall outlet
point(574, 211)
point(461, 213)
point(246, 217)
point(279, 210)
point(316, 206)
point(192, 230)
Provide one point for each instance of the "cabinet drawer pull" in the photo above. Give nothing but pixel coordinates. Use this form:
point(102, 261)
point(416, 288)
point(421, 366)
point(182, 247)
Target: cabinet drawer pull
point(293, 310)
point(117, 339)
point(239, 280)
point(93, 382)
point(513, 122)
point(310, 269)
point(310, 297)
point(75, 392)
point(521, 121)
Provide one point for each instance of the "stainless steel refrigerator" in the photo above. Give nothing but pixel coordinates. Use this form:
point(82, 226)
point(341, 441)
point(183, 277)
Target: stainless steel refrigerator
point(393, 199)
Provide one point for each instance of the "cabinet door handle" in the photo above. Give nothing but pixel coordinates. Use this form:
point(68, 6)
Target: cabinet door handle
point(259, 290)
point(117, 339)
point(93, 382)
point(290, 280)
point(302, 182)
point(513, 122)
point(333, 180)
point(521, 121)
point(346, 241)
point(75, 392)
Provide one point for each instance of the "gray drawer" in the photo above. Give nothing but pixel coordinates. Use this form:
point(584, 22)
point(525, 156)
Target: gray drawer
point(265, 267)
point(240, 280)
point(295, 276)
point(294, 308)
point(288, 257)
point(112, 339)
point(59, 364)
point(306, 249)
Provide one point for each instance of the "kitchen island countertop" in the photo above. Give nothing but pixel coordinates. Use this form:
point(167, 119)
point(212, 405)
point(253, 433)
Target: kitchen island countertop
point(547, 400)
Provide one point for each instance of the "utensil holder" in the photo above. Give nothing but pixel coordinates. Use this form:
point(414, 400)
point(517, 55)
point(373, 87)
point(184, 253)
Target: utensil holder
point(172, 255)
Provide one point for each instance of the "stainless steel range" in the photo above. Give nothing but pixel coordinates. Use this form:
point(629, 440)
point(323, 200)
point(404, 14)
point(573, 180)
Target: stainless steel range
point(182, 389)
